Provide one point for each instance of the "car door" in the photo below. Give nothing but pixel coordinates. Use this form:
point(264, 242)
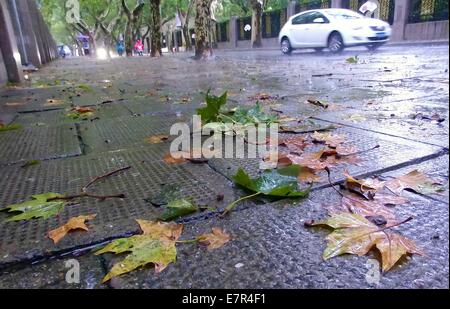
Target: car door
point(317, 30)
point(299, 30)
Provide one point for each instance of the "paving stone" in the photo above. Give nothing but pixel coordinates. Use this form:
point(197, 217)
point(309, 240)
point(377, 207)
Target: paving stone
point(272, 249)
point(27, 240)
point(38, 143)
point(119, 133)
point(392, 153)
point(52, 274)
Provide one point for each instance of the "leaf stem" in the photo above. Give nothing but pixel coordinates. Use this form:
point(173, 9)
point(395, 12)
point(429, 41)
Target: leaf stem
point(228, 117)
point(231, 206)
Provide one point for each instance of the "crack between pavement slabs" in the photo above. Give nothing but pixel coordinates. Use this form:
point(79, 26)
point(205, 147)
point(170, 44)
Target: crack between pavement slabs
point(378, 132)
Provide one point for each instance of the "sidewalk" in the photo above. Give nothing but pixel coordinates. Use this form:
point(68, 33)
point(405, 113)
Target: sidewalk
point(134, 99)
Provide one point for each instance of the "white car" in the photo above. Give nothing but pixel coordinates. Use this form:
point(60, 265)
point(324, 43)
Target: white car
point(334, 29)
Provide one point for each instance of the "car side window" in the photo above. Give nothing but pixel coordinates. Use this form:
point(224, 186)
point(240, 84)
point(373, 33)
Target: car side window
point(301, 19)
point(308, 18)
point(316, 15)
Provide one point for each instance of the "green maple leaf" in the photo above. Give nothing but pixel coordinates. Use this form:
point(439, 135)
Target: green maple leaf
point(253, 115)
point(276, 183)
point(9, 127)
point(177, 208)
point(156, 245)
point(352, 60)
point(212, 109)
point(144, 249)
point(38, 207)
point(280, 183)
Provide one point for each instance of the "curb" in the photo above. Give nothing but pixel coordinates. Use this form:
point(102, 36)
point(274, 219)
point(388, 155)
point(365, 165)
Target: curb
point(394, 43)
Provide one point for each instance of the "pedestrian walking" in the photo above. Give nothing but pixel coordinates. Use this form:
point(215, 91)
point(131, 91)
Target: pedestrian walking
point(139, 48)
point(120, 48)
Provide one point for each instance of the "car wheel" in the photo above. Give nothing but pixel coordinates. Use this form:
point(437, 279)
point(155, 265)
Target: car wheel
point(335, 43)
point(373, 46)
point(286, 46)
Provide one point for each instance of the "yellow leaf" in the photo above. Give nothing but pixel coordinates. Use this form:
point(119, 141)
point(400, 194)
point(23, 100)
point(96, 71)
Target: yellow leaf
point(161, 230)
point(354, 234)
point(73, 224)
point(156, 139)
point(214, 240)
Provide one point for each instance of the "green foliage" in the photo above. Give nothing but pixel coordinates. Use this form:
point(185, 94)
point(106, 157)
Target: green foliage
point(279, 183)
point(211, 112)
point(38, 207)
point(10, 127)
point(252, 115)
point(144, 249)
point(178, 208)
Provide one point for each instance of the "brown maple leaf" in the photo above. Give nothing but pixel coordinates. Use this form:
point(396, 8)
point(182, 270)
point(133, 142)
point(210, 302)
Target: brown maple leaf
point(156, 139)
point(161, 230)
point(416, 181)
point(73, 224)
point(214, 240)
point(354, 234)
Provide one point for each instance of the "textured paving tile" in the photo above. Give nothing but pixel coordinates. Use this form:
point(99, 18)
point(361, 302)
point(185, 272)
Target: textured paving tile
point(392, 152)
point(115, 217)
point(272, 249)
point(38, 143)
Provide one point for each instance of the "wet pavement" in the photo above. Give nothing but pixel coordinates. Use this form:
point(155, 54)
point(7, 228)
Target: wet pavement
point(396, 98)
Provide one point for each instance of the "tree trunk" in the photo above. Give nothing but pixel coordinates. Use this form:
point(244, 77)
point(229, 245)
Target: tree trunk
point(185, 28)
point(203, 49)
point(128, 38)
point(256, 24)
point(156, 48)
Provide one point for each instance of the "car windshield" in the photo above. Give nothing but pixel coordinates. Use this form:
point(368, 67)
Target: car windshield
point(344, 14)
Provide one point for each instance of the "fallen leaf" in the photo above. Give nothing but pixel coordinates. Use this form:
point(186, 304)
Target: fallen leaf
point(262, 97)
point(309, 160)
point(73, 224)
point(356, 118)
point(156, 245)
point(295, 143)
point(416, 181)
point(214, 240)
point(143, 249)
point(156, 139)
point(328, 138)
point(354, 234)
point(38, 207)
point(161, 230)
point(353, 203)
point(30, 163)
point(317, 103)
point(82, 109)
point(281, 182)
point(308, 175)
point(364, 188)
point(171, 160)
point(352, 60)
point(212, 109)
point(9, 127)
point(177, 208)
